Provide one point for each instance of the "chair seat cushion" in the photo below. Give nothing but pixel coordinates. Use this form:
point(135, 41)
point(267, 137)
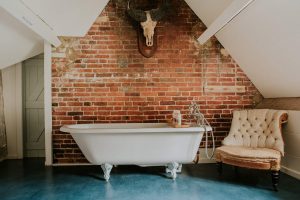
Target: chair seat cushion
point(248, 152)
point(260, 158)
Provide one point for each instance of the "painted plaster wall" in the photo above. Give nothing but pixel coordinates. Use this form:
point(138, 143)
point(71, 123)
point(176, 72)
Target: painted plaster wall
point(12, 96)
point(291, 132)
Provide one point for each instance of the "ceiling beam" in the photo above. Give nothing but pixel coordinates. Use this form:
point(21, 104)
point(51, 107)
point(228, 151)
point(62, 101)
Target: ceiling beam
point(22, 13)
point(226, 16)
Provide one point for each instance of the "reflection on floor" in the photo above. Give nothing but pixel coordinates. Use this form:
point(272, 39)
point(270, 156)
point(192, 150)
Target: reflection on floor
point(29, 179)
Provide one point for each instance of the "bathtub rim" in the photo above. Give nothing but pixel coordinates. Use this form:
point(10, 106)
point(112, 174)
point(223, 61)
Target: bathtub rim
point(75, 128)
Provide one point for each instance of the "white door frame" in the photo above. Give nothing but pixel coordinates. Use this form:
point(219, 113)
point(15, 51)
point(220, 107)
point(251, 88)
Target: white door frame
point(48, 102)
point(19, 109)
point(47, 107)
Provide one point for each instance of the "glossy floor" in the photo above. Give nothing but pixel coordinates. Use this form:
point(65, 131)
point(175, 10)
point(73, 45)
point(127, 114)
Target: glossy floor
point(29, 179)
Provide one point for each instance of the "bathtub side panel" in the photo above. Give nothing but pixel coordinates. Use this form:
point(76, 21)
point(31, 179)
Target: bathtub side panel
point(140, 149)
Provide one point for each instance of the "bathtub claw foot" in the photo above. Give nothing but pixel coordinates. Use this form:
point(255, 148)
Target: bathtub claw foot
point(173, 168)
point(106, 170)
point(179, 168)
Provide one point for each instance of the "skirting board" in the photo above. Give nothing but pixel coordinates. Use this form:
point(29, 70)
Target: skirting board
point(290, 172)
point(12, 157)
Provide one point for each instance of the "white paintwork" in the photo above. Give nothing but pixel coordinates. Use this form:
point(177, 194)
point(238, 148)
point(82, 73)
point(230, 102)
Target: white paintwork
point(22, 13)
point(263, 39)
point(17, 41)
point(227, 15)
point(291, 172)
point(208, 11)
point(68, 17)
point(19, 110)
point(253, 38)
point(136, 143)
point(12, 95)
point(291, 136)
point(48, 103)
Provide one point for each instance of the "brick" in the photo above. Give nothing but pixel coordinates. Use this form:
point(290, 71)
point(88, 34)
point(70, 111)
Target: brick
point(111, 82)
point(167, 103)
point(75, 113)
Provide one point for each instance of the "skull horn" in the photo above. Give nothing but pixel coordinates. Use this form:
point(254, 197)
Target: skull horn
point(159, 13)
point(137, 15)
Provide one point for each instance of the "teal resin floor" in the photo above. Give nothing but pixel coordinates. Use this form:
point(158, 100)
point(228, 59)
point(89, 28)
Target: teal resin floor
point(29, 179)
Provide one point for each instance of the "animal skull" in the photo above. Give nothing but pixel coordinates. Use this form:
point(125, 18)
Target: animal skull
point(148, 20)
point(148, 27)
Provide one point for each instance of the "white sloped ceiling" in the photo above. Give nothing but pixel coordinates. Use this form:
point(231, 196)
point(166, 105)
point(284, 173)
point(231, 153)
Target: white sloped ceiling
point(208, 10)
point(264, 39)
point(64, 17)
point(17, 42)
point(68, 17)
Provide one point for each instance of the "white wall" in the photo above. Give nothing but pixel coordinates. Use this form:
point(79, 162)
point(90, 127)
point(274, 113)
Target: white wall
point(263, 39)
point(17, 42)
point(208, 11)
point(48, 103)
point(291, 136)
point(69, 19)
point(12, 93)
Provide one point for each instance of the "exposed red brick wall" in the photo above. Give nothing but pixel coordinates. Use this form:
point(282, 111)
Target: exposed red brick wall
point(111, 81)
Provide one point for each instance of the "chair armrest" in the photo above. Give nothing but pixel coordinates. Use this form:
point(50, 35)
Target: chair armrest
point(283, 118)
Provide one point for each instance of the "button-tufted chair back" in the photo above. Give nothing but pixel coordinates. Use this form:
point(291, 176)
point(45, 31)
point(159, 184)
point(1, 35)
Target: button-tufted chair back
point(256, 128)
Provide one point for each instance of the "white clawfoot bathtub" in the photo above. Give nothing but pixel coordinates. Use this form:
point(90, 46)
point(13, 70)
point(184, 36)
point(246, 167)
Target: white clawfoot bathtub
point(137, 143)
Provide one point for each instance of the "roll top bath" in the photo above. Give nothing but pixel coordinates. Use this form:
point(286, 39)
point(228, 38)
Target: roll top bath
point(144, 144)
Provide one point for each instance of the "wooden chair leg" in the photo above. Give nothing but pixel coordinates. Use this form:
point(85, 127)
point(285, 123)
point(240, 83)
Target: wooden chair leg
point(275, 179)
point(220, 167)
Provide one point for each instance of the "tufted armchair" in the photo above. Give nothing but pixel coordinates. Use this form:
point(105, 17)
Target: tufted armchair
point(254, 141)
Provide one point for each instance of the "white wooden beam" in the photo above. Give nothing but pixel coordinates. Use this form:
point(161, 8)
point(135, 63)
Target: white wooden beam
point(48, 103)
point(22, 13)
point(19, 110)
point(227, 15)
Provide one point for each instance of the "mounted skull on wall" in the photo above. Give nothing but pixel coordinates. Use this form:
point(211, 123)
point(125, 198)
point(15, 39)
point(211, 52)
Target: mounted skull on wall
point(148, 19)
